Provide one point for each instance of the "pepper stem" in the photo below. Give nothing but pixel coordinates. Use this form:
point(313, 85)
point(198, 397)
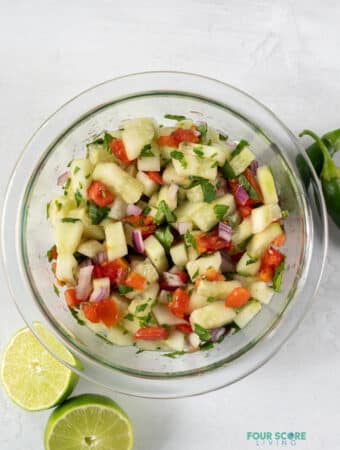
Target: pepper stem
point(329, 169)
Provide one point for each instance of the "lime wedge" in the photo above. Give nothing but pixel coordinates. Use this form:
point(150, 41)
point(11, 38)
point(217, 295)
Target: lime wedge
point(32, 377)
point(89, 422)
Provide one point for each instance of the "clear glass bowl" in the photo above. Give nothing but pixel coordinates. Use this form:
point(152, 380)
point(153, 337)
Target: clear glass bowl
point(26, 234)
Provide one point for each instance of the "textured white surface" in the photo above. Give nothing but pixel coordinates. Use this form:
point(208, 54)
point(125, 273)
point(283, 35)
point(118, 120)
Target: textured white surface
point(285, 53)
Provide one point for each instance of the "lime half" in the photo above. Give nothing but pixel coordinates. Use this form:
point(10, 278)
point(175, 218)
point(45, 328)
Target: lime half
point(32, 377)
point(89, 422)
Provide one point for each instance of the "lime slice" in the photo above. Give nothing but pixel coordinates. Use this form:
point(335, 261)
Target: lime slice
point(32, 377)
point(89, 422)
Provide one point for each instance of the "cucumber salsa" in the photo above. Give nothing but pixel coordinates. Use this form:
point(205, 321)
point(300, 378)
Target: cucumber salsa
point(166, 237)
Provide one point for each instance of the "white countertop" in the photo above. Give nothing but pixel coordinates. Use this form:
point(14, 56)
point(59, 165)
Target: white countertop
point(285, 53)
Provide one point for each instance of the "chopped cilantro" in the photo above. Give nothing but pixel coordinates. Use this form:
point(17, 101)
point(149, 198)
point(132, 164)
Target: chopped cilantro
point(203, 129)
point(222, 137)
point(146, 151)
point(66, 186)
point(251, 261)
point(228, 171)
point(78, 198)
point(214, 164)
point(96, 213)
point(179, 156)
point(163, 211)
point(87, 176)
point(69, 163)
point(174, 117)
point(174, 354)
point(277, 278)
point(51, 253)
point(240, 146)
point(195, 274)
point(220, 211)
point(209, 192)
point(48, 205)
point(56, 290)
point(139, 351)
point(73, 311)
point(140, 308)
point(107, 141)
point(81, 185)
point(202, 333)
point(145, 321)
point(199, 151)
point(165, 237)
point(243, 181)
point(211, 299)
point(69, 220)
point(58, 205)
point(76, 169)
point(189, 239)
point(122, 289)
point(129, 317)
point(206, 346)
point(146, 210)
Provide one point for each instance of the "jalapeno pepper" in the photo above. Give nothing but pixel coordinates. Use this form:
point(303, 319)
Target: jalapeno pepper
point(329, 176)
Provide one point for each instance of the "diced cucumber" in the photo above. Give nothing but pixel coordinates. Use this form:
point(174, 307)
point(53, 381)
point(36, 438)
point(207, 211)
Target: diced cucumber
point(150, 163)
point(132, 326)
point(175, 341)
point(206, 218)
point(267, 184)
point(146, 269)
point(59, 208)
point(260, 291)
point(156, 253)
point(115, 241)
point(171, 176)
point(195, 194)
point(248, 265)
point(179, 254)
point(190, 165)
point(119, 181)
point(67, 236)
point(192, 254)
point(80, 171)
point(166, 195)
point(98, 153)
point(197, 301)
point(131, 170)
point(66, 267)
point(212, 316)
point(264, 215)
point(153, 202)
point(243, 231)
point(90, 231)
point(165, 317)
point(211, 153)
point(136, 134)
point(140, 307)
point(118, 209)
point(261, 241)
point(185, 212)
point(247, 313)
point(217, 290)
point(240, 162)
point(90, 248)
point(202, 264)
point(149, 186)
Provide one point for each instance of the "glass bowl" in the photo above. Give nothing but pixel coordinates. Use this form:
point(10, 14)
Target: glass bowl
point(26, 234)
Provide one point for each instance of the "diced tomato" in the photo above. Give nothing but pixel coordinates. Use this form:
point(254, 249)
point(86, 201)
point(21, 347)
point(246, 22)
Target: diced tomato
point(99, 194)
point(135, 281)
point(138, 221)
point(213, 275)
point(280, 240)
point(71, 298)
point(116, 270)
point(180, 303)
point(181, 135)
point(118, 149)
point(147, 230)
point(105, 310)
point(52, 253)
point(237, 297)
point(244, 211)
point(167, 141)
point(272, 258)
point(211, 242)
point(164, 285)
point(151, 333)
point(184, 328)
point(266, 274)
point(253, 182)
point(155, 176)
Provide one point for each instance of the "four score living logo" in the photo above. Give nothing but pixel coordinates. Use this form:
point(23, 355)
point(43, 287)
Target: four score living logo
point(276, 439)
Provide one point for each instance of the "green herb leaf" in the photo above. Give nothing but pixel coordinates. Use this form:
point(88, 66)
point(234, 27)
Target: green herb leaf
point(140, 308)
point(48, 205)
point(251, 261)
point(78, 198)
point(195, 274)
point(209, 192)
point(58, 205)
point(107, 141)
point(174, 354)
point(96, 213)
point(179, 156)
point(69, 220)
point(139, 351)
point(56, 290)
point(129, 317)
point(220, 211)
point(146, 211)
point(203, 129)
point(67, 185)
point(198, 151)
point(174, 117)
point(206, 346)
point(214, 164)
point(146, 151)
point(222, 137)
point(76, 169)
point(69, 163)
point(165, 237)
point(146, 321)
point(278, 275)
point(248, 187)
point(284, 213)
point(50, 252)
point(163, 211)
point(228, 171)
point(190, 240)
point(74, 313)
point(240, 146)
point(202, 333)
point(122, 289)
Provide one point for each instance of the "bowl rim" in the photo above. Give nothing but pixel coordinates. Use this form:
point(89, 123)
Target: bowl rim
point(163, 73)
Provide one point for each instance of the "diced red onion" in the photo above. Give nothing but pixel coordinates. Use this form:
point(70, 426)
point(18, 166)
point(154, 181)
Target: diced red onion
point(84, 286)
point(217, 333)
point(173, 280)
point(133, 210)
point(254, 166)
point(86, 262)
point(99, 293)
point(163, 296)
point(138, 241)
point(227, 264)
point(61, 180)
point(241, 195)
point(101, 257)
point(173, 189)
point(224, 231)
point(183, 227)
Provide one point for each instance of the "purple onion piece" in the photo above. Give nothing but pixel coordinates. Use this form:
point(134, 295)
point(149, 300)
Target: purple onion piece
point(138, 241)
point(133, 210)
point(172, 279)
point(183, 227)
point(61, 180)
point(101, 257)
point(241, 195)
point(254, 166)
point(224, 231)
point(84, 286)
point(217, 333)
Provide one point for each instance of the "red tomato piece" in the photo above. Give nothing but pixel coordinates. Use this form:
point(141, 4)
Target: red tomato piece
point(211, 242)
point(147, 230)
point(272, 258)
point(253, 182)
point(244, 211)
point(105, 310)
point(184, 328)
point(181, 135)
point(212, 275)
point(266, 274)
point(71, 298)
point(151, 333)
point(237, 297)
point(135, 281)
point(99, 194)
point(280, 240)
point(167, 141)
point(138, 221)
point(155, 176)
point(180, 303)
point(116, 270)
point(118, 149)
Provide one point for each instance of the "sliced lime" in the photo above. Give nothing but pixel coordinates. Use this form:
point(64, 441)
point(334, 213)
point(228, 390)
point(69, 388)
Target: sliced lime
point(32, 377)
point(89, 422)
